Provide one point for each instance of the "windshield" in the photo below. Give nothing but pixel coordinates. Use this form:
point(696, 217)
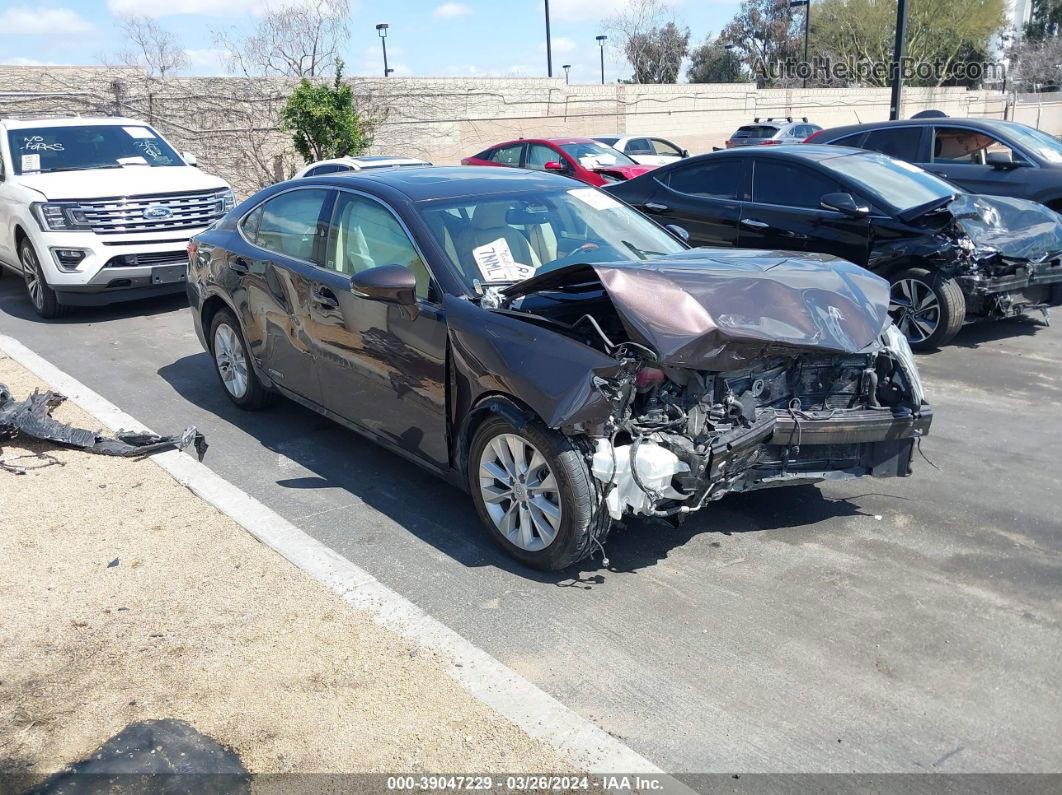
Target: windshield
point(506, 239)
point(45, 149)
point(1038, 143)
point(893, 183)
point(594, 154)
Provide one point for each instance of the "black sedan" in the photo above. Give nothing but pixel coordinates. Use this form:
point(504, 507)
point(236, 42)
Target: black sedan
point(1000, 158)
point(951, 256)
point(550, 350)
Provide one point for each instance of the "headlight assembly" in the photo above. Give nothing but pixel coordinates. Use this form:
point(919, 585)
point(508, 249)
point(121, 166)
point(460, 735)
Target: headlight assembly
point(60, 217)
point(898, 346)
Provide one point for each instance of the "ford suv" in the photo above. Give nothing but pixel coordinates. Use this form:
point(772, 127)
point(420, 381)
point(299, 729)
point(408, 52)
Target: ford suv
point(99, 210)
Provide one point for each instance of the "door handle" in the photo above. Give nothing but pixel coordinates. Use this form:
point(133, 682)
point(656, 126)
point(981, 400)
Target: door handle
point(752, 223)
point(239, 265)
point(324, 297)
point(654, 207)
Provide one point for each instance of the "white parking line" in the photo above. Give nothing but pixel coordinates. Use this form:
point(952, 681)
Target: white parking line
point(584, 745)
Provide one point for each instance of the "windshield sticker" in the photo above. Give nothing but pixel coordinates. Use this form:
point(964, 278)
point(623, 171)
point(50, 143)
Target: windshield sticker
point(135, 160)
point(139, 132)
point(31, 162)
point(496, 263)
point(150, 149)
point(36, 143)
point(595, 198)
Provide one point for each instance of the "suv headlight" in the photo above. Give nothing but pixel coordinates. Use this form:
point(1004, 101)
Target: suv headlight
point(61, 217)
point(898, 346)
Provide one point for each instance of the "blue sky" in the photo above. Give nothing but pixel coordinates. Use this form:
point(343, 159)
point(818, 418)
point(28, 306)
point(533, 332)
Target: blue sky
point(427, 37)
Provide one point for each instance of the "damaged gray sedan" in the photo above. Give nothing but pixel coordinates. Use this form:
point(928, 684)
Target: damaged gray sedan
point(550, 350)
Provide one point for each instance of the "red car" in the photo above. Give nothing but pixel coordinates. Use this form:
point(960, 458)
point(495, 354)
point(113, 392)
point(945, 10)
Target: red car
point(582, 158)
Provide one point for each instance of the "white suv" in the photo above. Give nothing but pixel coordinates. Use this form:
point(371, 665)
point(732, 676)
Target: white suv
point(99, 210)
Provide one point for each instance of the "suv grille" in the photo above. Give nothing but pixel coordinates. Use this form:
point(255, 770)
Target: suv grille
point(161, 213)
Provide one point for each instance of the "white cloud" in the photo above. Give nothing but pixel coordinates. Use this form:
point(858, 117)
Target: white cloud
point(46, 21)
point(584, 10)
point(18, 60)
point(560, 45)
point(170, 8)
point(207, 62)
point(452, 10)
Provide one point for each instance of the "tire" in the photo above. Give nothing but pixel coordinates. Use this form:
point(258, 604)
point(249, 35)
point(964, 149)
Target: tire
point(942, 312)
point(41, 296)
point(576, 498)
point(232, 364)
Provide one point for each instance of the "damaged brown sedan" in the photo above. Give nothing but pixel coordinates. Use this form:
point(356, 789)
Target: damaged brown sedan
point(564, 359)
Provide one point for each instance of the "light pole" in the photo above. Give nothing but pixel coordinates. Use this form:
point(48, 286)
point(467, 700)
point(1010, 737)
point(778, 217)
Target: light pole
point(566, 67)
point(731, 72)
point(806, 4)
point(897, 59)
point(382, 30)
point(601, 44)
point(549, 46)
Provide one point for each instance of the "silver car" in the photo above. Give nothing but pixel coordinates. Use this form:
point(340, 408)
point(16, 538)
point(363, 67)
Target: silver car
point(783, 130)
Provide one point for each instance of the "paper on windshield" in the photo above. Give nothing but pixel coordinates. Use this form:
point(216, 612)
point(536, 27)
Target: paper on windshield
point(31, 162)
point(595, 198)
point(135, 160)
point(495, 261)
point(139, 132)
point(595, 161)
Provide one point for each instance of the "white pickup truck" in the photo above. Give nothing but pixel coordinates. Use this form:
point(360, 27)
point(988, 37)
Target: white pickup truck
point(99, 210)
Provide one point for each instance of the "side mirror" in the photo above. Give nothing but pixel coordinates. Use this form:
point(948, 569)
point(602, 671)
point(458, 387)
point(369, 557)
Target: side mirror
point(190, 159)
point(393, 284)
point(678, 232)
point(845, 204)
point(1002, 160)
point(684, 153)
point(554, 165)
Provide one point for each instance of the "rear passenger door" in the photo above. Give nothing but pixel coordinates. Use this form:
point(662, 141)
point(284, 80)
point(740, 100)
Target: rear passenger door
point(786, 213)
point(270, 283)
point(508, 155)
point(902, 143)
point(704, 197)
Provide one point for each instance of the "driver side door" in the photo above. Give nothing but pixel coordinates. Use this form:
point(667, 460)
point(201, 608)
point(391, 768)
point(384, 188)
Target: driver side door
point(960, 155)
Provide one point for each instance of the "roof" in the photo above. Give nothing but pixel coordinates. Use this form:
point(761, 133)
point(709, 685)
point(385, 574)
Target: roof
point(71, 121)
point(797, 151)
point(992, 124)
point(446, 182)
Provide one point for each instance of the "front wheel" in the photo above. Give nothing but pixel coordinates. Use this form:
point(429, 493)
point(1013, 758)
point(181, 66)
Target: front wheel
point(534, 491)
point(927, 308)
point(45, 303)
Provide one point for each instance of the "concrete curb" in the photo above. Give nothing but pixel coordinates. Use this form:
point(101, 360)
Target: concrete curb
point(584, 745)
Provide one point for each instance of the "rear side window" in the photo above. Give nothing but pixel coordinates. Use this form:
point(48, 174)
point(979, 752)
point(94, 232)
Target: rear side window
point(777, 182)
point(508, 155)
point(849, 140)
point(328, 168)
point(724, 179)
point(899, 142)
point(639, 146)
point(288, 224)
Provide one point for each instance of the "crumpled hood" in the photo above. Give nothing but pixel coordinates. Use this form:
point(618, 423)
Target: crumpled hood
point(629, 172)
point(127, 181)
point(1016, 228)
point(718, 309)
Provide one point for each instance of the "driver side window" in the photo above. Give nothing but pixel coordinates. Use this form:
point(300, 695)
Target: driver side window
point(959, 145)
point(364, 234)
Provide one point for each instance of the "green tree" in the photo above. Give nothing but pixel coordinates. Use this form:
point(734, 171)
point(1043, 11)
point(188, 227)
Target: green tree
point(764, 33)
point(1046, 18)
point(712, 62)
point(941, 34)
point(324, 121)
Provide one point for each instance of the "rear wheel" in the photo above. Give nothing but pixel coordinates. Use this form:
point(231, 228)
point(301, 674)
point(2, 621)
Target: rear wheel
point(535, 493)
point(232, 363)
point(45, 303)
point(927, 308)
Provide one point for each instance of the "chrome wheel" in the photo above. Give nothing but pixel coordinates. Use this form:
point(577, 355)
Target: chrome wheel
point(34, 280)
point(915, 309)
point(230, 360)
point(520, 492)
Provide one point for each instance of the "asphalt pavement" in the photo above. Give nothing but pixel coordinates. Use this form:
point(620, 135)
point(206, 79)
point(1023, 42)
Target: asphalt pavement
point(891, 625)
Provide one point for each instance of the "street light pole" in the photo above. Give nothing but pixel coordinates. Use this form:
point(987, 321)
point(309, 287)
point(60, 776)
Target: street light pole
point(897, 59)
point(382, 30)
point(566, 67)
point(807, 20)
point(601, 44)
point(549, 46)
point(731, 72)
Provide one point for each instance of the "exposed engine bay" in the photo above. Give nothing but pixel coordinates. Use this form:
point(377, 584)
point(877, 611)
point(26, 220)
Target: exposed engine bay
point(759, 412)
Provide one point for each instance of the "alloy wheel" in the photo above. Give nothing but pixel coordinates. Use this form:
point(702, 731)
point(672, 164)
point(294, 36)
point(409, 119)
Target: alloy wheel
point(34, 280)
point(915, 309)
point(520, 492)
point(231, 361)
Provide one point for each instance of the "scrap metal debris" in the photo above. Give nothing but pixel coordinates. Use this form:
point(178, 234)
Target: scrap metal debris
point(33, 417)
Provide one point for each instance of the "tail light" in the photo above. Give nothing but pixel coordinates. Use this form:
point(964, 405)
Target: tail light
point(771, 142)
point(648, 377)
point(815, 134)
